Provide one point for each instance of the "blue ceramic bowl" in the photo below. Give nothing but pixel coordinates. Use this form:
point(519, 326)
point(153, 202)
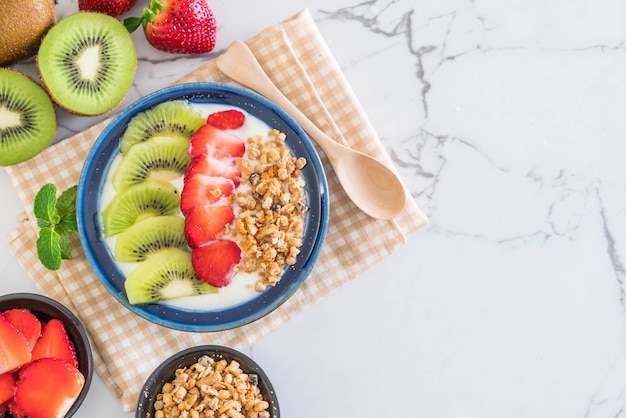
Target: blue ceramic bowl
point(166, 372)
point(46, 309)
point(95, 172)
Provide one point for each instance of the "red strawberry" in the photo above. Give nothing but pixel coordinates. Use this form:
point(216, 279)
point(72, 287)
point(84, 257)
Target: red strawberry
point(207, 223)
point(210, 166)
point(109, 7)
point(201, 190)
point(55, 343)
point(7, 383)
point(48, 387)
point(227, 119)
point(14, 409)
point(208, 140)
point(26, 323)
point(177, 26)
point(14, 348)
point(214, 263)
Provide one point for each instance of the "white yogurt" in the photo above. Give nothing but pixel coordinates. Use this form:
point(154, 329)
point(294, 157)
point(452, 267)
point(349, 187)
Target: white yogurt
point(242, 288)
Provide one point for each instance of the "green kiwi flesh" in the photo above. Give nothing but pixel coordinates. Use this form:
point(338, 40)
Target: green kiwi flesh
point(27, 118)
point(138, 202)
point(87, 62)
point(172, 118)
point(165, 275)
point(160, 158)
point(150, 236)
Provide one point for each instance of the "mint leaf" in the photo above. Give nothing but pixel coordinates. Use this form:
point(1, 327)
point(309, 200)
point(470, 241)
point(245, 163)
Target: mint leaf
point(64, 245)
point(67, 201)
point(49, 248)
point(68, 223)
point(56, 218)
point(45, 206)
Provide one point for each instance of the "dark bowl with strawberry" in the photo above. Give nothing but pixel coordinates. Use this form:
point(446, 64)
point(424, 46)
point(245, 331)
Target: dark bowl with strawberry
point(208, 366)
point(202, 207)
point(46, 362)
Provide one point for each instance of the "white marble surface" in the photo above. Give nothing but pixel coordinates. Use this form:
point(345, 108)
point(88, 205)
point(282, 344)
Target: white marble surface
point(506, 121)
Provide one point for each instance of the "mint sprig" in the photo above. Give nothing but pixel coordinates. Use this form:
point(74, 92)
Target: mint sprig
point(56, 218)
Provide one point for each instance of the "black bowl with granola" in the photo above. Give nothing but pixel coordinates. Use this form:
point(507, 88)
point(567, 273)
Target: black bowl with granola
point(208, 381)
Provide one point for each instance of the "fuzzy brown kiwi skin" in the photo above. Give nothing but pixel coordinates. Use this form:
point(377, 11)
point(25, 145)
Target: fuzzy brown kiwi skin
point(24, 23)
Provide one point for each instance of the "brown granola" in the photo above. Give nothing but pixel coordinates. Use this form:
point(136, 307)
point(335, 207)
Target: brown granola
point(270, 224)
point(211, 389)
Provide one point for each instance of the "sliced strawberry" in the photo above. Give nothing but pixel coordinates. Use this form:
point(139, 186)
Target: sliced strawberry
point(14, 409)
point(3, 409)
point(14, 348)
point(55, 343)
point(7, 383)
point(208, 140)
point(26, 322)
point(227, 119)
point(201, 190)
point(207, 223)
point(48, 387)
point(210, 166)
point(214, 263)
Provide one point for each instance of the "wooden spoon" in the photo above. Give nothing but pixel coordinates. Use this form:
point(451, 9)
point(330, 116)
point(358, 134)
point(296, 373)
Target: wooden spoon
point(369, 183)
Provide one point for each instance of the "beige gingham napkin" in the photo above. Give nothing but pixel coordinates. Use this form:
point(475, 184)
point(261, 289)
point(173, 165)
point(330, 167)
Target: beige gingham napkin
point(126, 347)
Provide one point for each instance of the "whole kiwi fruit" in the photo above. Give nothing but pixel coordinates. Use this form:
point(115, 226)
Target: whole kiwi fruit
point(23, 25)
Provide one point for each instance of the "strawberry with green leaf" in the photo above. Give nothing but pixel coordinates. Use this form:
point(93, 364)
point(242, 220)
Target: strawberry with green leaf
point(177, 26)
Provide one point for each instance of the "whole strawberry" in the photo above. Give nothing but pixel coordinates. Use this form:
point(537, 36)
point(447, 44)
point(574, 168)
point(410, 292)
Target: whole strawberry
point(177, 26)
point(109, 7)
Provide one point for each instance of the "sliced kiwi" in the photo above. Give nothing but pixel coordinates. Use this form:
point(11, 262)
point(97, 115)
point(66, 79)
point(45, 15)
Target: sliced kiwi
point(27, 118)
point(87, 63)
point(161, 158)
point(172, 118)
point(150, 236)
point(165, 275)
point(138, 202)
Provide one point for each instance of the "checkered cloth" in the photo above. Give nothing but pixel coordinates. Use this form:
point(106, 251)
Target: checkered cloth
point(126, 347)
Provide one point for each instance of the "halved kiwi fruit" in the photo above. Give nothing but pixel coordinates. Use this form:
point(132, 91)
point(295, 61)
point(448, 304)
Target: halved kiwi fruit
point(150, 236)
point(138, 202)
point(161, 158)
point(87, 62)
point(174, 118)
point(27, 118)
point(163, 276)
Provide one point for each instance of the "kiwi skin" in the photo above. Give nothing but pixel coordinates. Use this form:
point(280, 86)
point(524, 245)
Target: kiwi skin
point(29, 122)
point(24, 24)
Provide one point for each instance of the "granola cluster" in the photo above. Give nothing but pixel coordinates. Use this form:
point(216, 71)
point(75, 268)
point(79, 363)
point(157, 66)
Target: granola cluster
point(270, 224)
point(212, 389)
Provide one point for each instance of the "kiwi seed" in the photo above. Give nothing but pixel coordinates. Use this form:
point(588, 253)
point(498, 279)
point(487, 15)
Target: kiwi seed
point(170, 118)
point(87, 63)
point(150, 236)
point(27, 118)
point(165, 275)
point(138, 202)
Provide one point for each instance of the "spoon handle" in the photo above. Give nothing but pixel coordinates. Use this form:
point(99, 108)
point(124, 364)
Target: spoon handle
point(240, 64)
